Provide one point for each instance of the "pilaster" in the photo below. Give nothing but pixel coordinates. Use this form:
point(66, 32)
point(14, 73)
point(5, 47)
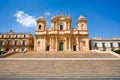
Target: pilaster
point(56, 44)
point(69, 43)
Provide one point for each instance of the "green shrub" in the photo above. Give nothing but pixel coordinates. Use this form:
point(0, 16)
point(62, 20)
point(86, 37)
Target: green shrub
point(2, 52)
point(117, 51)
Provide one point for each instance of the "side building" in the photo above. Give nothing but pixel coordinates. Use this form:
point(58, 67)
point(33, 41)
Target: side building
point(13, 42)
point(104, 44)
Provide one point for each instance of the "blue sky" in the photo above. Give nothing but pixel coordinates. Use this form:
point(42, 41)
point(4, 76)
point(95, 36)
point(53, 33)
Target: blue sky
point(103, 16)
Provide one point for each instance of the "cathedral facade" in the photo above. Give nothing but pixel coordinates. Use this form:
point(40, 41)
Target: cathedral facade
point(61, 36)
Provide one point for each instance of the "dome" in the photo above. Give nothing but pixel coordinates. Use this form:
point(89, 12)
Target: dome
point(81, 18)
point(41, 19)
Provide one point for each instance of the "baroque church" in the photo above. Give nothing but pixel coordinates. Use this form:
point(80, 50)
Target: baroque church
point(61, 36)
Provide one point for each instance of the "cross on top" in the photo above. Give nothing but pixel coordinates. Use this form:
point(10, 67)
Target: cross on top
point(60, 11)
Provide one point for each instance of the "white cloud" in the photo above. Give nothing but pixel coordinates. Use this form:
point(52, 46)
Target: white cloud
point(25, 19)
point(47, 13)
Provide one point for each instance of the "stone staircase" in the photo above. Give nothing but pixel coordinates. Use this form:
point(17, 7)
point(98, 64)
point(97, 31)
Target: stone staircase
point(62, 54)
point(60, 68)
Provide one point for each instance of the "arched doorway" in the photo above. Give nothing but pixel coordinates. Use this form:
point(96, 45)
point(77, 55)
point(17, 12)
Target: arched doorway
point(74, 48)
point(61, 46)
point(47, 49)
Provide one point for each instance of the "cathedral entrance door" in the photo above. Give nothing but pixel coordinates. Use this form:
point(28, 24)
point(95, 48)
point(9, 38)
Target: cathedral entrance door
point(74, 48)
point(47, 48)
point(61, 46)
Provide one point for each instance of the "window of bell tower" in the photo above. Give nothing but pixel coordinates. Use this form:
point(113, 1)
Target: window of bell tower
point(61, 27)
point(39, 27)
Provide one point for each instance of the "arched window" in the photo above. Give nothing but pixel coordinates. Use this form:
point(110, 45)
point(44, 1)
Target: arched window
point(23, 49)
point(15, 42)
point(0, 42)
point(8, 42)
point(118, 44)
point(2, 36)
point(39, 27)
point(24, 35)
point(61, 27)
point(23, 42)
point(9, 36)
point(95, 46)
point(103, 45)
point(16, 36)
point(111, 44)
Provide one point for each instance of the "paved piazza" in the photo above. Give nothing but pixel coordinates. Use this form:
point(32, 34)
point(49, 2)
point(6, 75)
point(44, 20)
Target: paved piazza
point(59, 78)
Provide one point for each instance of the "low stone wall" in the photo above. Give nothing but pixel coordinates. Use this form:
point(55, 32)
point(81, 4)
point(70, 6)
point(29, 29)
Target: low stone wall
point(111, 52)
point(6, 54)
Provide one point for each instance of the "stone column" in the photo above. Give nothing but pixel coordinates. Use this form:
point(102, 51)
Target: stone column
point(68, 25)
point(56, 26)
point(77, 44)
point(35, 45)
point(65, 45)
point(81, 45)
point(69, 44)
point(53, 43)
point(56, 44)
point(44, 43)
point(50, 44)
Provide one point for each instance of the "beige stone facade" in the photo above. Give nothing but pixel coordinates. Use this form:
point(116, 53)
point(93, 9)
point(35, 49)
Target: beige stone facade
point(61, 36)
point(104, 44)
point(13, 42)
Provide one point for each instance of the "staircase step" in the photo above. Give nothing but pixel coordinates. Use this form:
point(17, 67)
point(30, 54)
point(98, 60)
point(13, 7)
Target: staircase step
point(60, 68)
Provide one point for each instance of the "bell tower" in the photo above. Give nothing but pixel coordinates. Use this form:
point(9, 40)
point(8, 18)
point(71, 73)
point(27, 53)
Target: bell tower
point(81, 24)
point(41, 24)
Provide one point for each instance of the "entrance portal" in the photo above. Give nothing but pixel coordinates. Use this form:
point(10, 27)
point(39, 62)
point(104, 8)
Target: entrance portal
point(74, 48)
point(61, 46)
point(47, 48)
